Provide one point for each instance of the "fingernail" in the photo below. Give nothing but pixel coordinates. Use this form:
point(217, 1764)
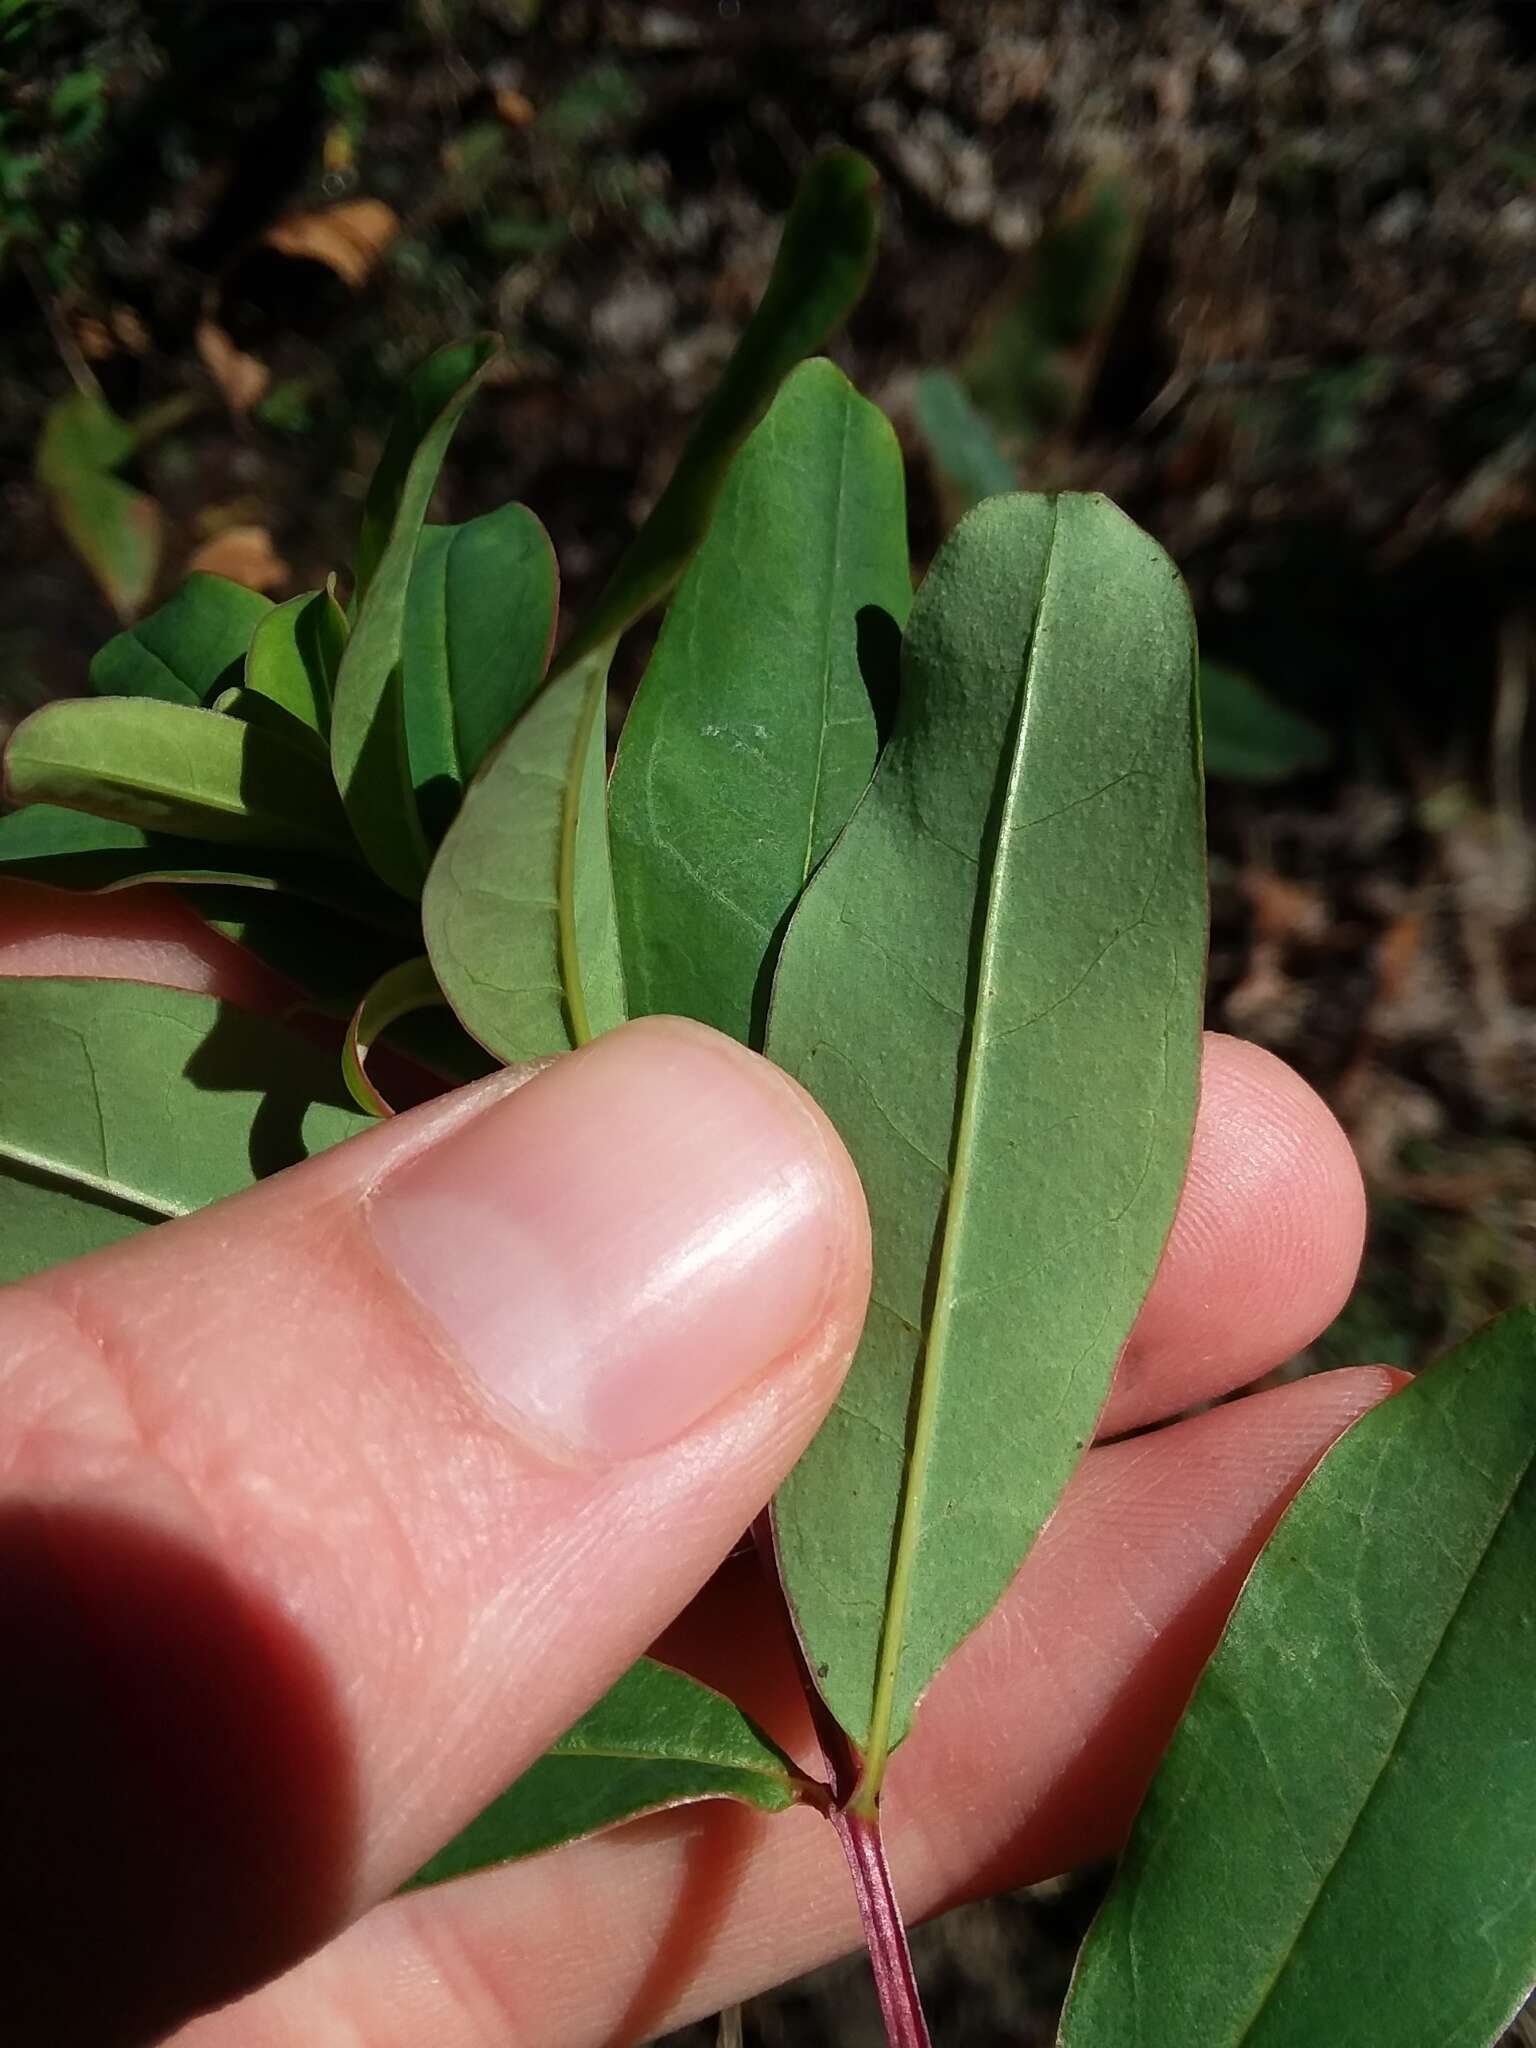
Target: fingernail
point(635, 1235)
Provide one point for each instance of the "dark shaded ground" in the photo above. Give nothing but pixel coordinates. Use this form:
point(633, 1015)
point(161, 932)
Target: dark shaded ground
point(1315, 383)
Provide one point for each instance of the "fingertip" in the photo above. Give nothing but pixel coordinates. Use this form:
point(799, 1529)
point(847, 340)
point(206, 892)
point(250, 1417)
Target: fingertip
point(681, 1223)
point(843, 1212)
point(1265, 1245)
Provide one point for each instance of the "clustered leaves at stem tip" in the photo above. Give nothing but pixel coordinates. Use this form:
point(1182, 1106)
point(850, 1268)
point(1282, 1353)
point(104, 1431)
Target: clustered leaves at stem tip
point(943, 857)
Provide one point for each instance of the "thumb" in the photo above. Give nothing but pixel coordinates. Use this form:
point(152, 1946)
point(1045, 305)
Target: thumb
point(323, 1511)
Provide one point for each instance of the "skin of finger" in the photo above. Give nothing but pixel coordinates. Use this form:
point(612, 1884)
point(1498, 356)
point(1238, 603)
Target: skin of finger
point(1261, 1256)
point(147, 934)
point(296, 1423)
point(1263, 1250)
point(1028, 1757)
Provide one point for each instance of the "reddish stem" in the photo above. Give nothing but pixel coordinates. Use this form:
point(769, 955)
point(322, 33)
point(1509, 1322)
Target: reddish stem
point(885, 1934)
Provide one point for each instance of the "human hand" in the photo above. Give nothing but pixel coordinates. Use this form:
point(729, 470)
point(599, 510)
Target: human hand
point(323, 1511)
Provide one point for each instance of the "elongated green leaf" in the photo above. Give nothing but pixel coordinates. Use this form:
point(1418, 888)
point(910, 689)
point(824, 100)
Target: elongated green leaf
point(404, 989)
point(1353, 1786)
point(1036, 359)
point(71, 850)
point(334, 956)
point(961, 440)
point(824, 260)
point(115, 529)
point(44, 1221)
point(752, 736)
point(189, 648)
point(518, 911)
point(329, 953)
point(125, 1104)
point(368, 738)
point(172, 768)
point(993, 986)
point(431, 404)
point(252, 708)
point(1249, 737)
point(657, 1738)
point(479, 623)
point(295, 654)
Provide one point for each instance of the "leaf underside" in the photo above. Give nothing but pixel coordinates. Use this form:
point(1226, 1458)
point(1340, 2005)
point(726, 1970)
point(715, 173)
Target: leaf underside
point(175, 769)
point(1353, 1786)
point(400, 992)
point(126, 1104)
point(73, 850)
point(993, 986)
point(657, 1738)
point(518, 910)
point(755, 698)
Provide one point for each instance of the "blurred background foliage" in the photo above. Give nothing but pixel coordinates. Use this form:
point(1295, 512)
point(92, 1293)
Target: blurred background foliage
point(1264, 270)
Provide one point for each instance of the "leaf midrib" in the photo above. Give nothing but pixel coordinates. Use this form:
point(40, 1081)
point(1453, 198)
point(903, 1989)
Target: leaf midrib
point(1282, 1966)
point(70, 1175)
point(602, 1754)
point(931, 1370)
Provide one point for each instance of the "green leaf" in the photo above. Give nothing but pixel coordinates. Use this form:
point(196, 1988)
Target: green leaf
point(430, 407)
point(70, 850)
point(113, 528)
point(368, 735)
point(252, 708)
point(1038, 354)
point(479, 624)
point(1355, 1779)
point(295, 655)
point(173, 768)
point(42, 1222)
point(187, 650)
point(409, 987)
point(752, 736)
point(518, 911)
point(825, 256)
point(960, 439)
point(325, 949)
point(1251, 738)
point(126, 1104)
point(993, 986)
point(657, 1739)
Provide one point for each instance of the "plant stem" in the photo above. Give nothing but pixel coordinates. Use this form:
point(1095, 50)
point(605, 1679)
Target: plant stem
point(885, 1934)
